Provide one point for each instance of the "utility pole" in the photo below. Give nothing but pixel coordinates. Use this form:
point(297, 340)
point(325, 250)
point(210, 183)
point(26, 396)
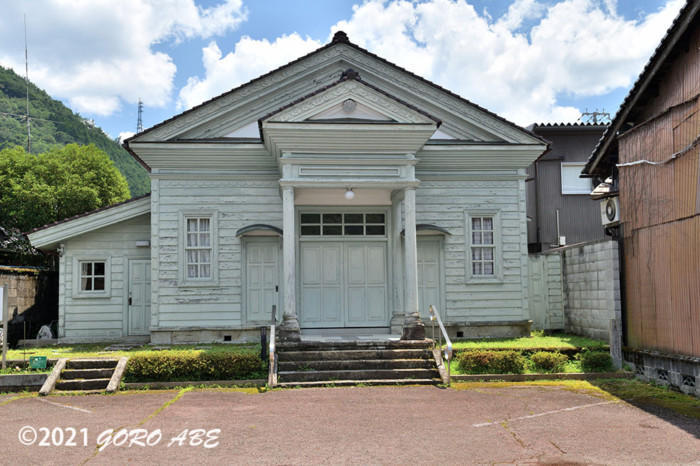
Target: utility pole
point(26, 80)
point(139, 122)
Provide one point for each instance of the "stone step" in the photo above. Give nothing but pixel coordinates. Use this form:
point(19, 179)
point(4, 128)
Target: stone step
point(99, 363)
point(326, 345)
point(363, 374)
point(356, 364)
point(335, 354)
point(86, 373)
point(341, 383)
point(82, 384)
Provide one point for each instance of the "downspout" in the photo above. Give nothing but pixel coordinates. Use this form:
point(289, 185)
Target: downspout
point(623, 300)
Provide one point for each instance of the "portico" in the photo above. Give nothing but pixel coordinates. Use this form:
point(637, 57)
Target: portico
point(349, 137)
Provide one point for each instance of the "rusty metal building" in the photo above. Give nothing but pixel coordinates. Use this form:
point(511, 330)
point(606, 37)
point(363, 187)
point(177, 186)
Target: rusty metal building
point(651, 150)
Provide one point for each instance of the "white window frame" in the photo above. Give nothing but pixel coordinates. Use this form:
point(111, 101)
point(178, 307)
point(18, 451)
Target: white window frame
point(497, 276)
point(78, 292)
point(567, 189)
point(183, 279)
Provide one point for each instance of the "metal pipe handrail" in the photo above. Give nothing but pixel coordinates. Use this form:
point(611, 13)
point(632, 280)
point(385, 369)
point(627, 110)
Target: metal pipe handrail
point(434, 315)
point(272, 362)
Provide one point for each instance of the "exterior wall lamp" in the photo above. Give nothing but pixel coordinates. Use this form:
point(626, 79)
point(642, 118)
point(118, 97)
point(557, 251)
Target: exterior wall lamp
point(349, 194)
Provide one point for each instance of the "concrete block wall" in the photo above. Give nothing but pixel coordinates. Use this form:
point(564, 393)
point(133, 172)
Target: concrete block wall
point(555, 292)
point(22, 289)
point(591, 282)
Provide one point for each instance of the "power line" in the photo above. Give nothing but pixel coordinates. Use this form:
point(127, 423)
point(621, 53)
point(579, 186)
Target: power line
point(26, 80)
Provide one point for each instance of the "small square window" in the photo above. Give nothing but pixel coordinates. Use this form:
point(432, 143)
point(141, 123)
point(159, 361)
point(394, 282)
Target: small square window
point(353, 218)
point(310, 218)
point(92, 276)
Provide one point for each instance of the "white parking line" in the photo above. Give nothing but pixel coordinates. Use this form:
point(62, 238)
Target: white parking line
point(484, 424)
point(64, 406)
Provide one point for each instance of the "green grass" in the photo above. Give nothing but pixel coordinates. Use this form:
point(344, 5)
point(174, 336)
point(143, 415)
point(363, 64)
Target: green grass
point(97, 350)
point(571, 367)
point(535, 341)
point(645, 394)
point(17, 371)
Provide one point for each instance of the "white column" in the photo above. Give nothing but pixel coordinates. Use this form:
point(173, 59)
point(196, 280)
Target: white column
point(413, 327)
point(290, 325)
point(397, 317)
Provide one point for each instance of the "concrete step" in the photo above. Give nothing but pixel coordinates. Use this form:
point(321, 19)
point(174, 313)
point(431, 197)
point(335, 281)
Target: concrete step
point(98, 363)
point(363, 374)
point(356, 364)
point(86, 373)
point(330, 345)
point(330, 355)
point(82, 384)
point(341, 383)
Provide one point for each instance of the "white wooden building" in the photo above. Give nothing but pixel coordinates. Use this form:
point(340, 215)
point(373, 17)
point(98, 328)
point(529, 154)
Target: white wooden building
point(344, 189)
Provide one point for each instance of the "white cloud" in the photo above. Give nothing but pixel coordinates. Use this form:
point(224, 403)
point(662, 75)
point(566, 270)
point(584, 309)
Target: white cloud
point(250, 59)
point(573, 48)
point(578, 48)
point(97, 54)
point(124, 135)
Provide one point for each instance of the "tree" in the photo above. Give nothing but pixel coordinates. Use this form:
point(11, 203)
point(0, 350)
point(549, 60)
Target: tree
point(65, 181)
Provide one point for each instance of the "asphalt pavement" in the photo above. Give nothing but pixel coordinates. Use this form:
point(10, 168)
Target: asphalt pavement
point(356, 425)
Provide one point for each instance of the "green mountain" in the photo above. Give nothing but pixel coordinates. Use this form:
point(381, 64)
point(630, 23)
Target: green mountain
point(53, 123)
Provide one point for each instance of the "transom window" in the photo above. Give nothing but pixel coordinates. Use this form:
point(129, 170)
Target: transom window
point(348, 224)
point(483, 247)
point(92, 276)
point(198, 249)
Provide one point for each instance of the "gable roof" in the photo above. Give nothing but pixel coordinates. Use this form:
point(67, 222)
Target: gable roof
point(50, 234)
point(339, 37)
point(603, 156)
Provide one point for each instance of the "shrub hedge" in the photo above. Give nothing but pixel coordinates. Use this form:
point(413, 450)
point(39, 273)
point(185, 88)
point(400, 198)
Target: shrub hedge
point(491, 362)
point(169, 366)
point(546, 361)
point(596, 361)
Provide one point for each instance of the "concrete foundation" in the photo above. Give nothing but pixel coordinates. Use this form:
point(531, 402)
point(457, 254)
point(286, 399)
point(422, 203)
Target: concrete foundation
point(676, 371)
point(195, 336)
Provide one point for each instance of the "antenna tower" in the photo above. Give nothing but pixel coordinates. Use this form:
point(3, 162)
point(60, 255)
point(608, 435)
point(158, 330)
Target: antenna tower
point(139, 122)
point(595, 117)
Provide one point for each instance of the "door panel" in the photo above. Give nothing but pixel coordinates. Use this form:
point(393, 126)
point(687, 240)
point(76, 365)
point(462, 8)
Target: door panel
point(262, 279)
point(139, 314)
point(429, 276)
point(321, 284)
point(537, 291)
point(343, 284)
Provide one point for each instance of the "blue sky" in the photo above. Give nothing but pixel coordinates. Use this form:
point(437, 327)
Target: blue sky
point(543, 60)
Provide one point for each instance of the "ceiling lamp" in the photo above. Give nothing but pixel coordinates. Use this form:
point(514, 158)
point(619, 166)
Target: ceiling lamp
point(349, 194)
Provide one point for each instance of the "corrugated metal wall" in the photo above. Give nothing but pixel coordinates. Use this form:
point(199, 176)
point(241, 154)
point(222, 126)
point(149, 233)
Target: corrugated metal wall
point(660, 208)
point(579, 215)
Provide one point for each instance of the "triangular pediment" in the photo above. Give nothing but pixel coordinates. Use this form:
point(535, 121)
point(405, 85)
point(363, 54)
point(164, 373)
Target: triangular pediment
point(383, 91)
point(347, 100)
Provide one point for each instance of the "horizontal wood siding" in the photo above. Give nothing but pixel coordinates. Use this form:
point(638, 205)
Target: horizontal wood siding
point(237, 204)
point(444, 203)
point(660, 210)
point(100, 317)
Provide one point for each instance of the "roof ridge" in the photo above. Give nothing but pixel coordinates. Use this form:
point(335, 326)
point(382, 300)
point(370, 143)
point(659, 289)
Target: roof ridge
point(340, 37)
